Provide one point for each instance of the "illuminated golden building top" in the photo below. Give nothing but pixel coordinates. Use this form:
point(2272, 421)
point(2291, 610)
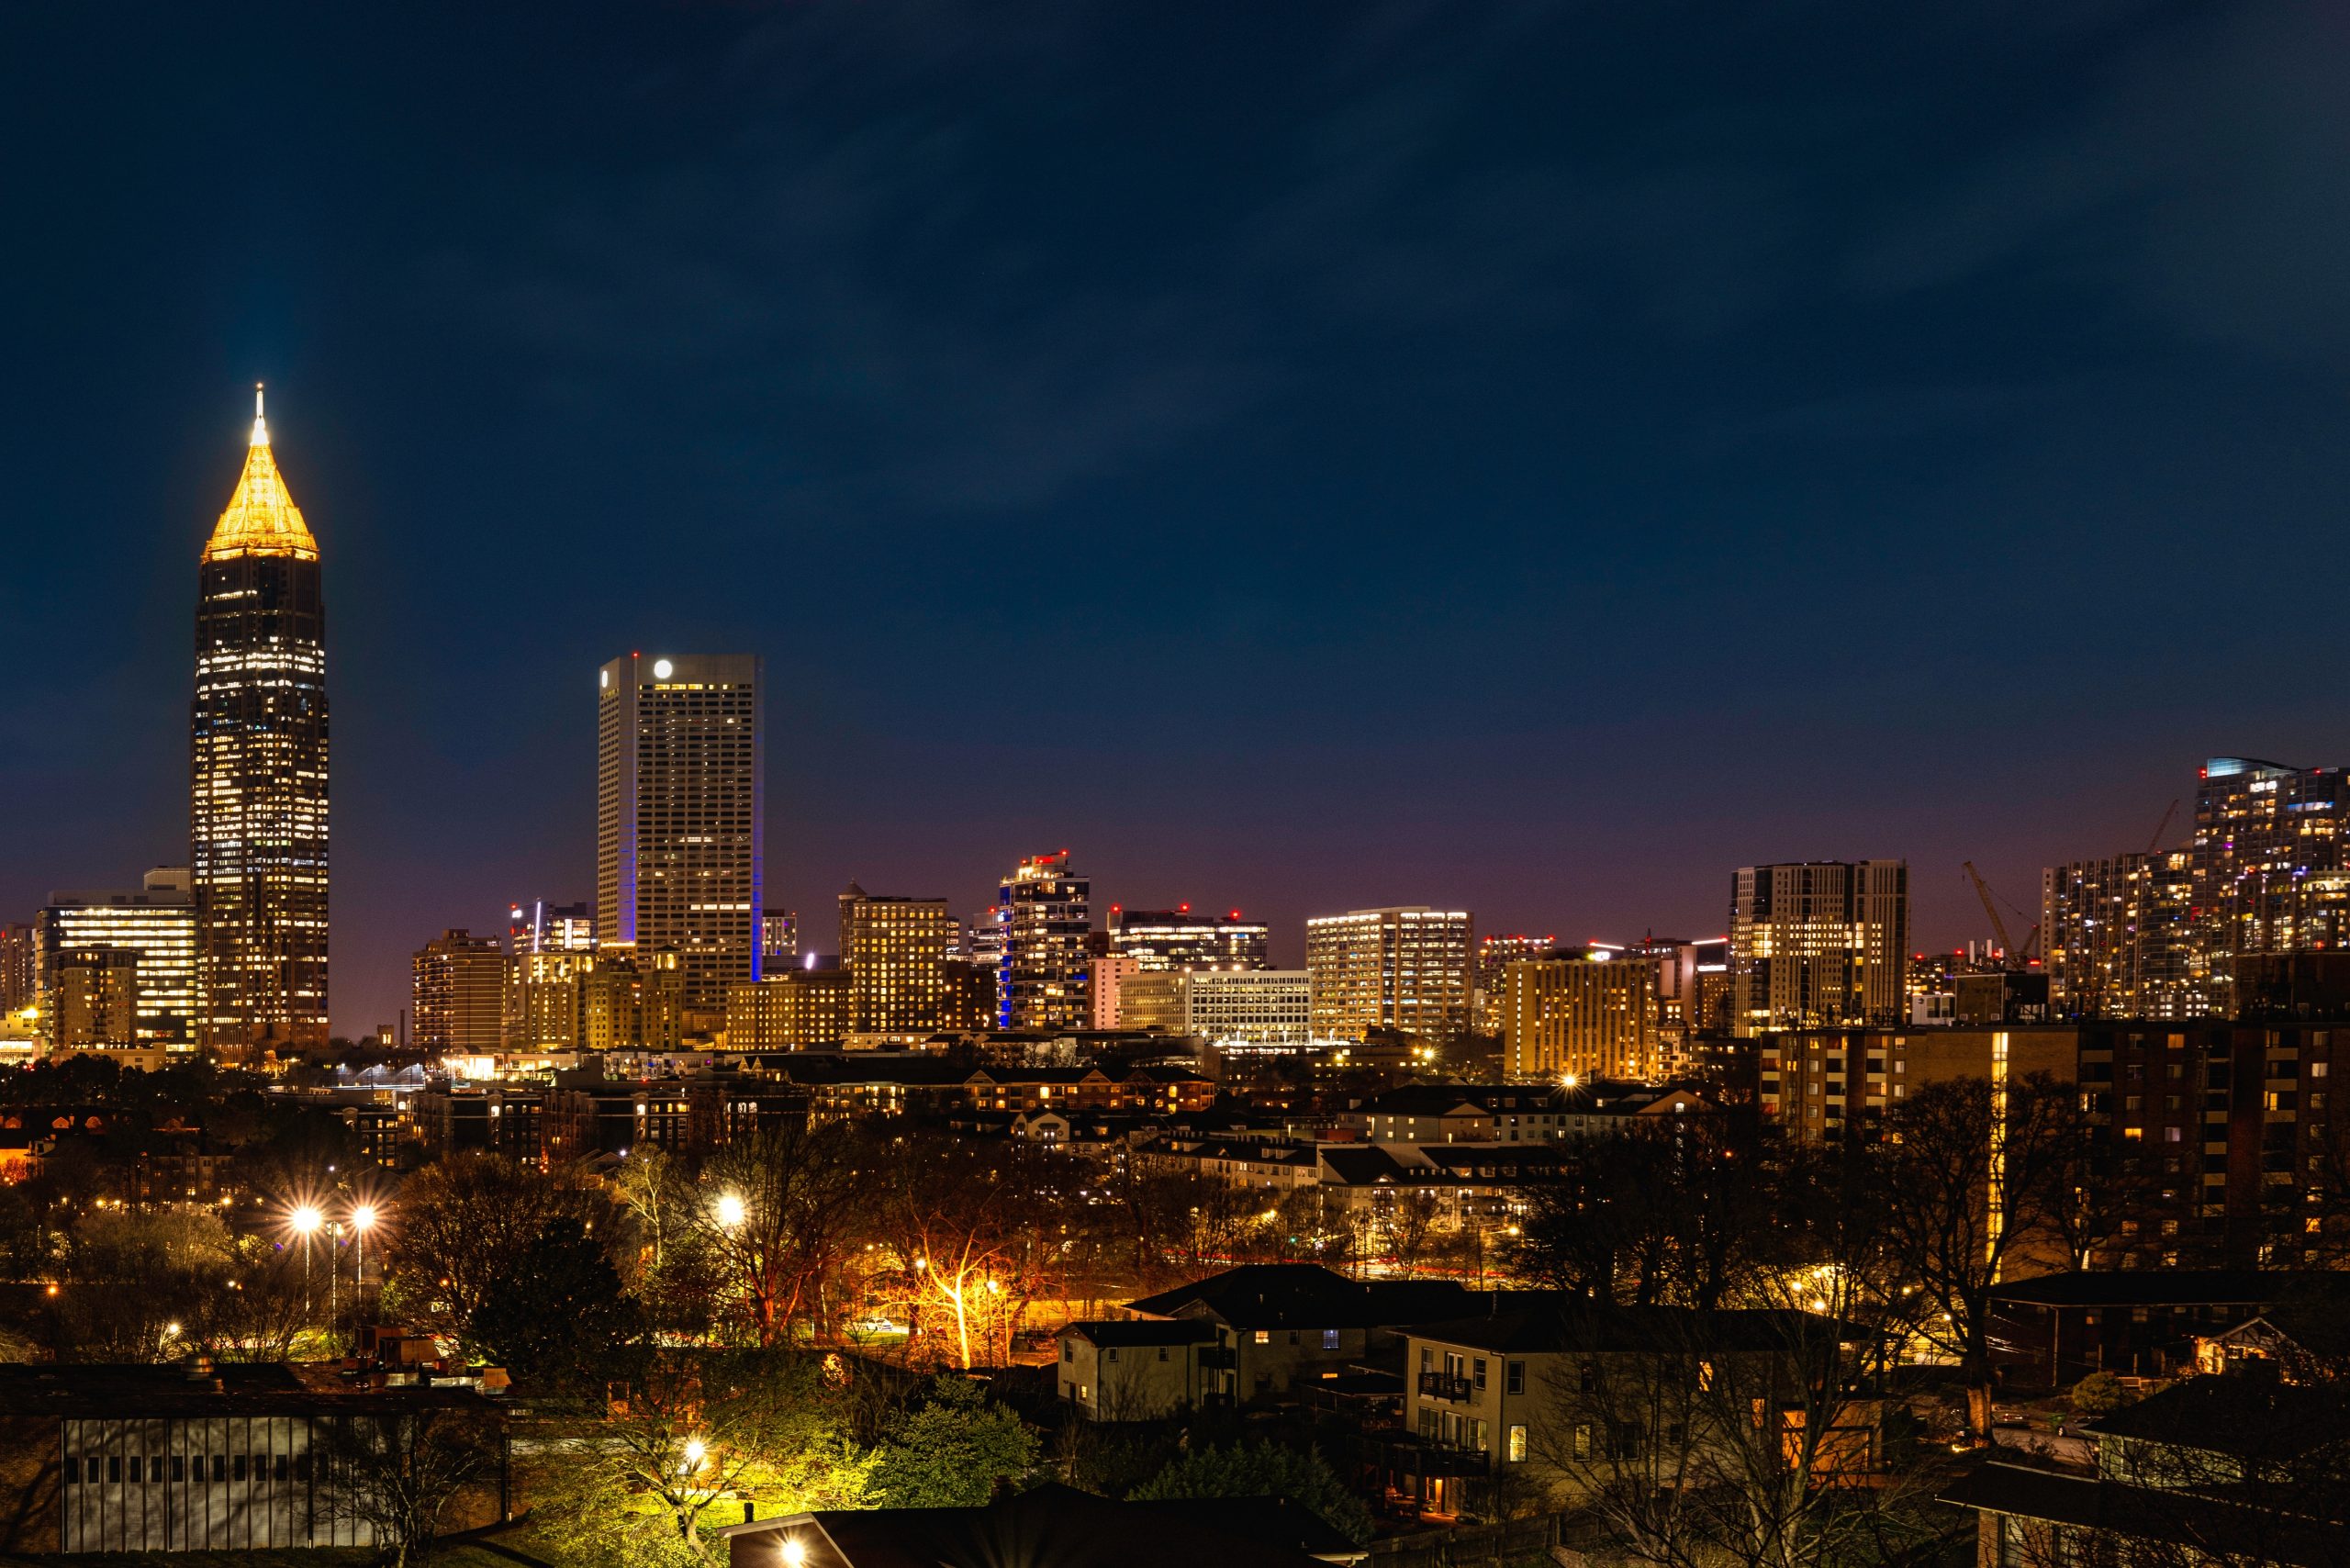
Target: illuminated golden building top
point(261, 518)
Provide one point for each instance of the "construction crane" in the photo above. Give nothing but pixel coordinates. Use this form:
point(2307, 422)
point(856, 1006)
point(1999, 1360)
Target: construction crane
point(2156, 843)
point(2013, 956)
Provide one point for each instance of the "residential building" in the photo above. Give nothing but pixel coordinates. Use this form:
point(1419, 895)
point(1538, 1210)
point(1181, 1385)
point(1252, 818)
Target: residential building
point(1136, 1369)
point(1404, 969)
point(93, 999)
point(895, 952)
point(1819, 943)
point(1044, 915)
point(1826, 1083)
point(1280, 1325)
point(1511, 1113)
point(2056, 1329)
point(680, 816)
point(459, 994)
point(2120, 937)
point(789, 1010)
point(1049, 1524)
point(1105, 978)
point(1178, 939)
point(158, 924)
point(1556, 1396)
point(2271, 859)
point(2228, 1468)
point(258, 772)
point(19, 966)
point(1264, 1007)
point(1578, 1016)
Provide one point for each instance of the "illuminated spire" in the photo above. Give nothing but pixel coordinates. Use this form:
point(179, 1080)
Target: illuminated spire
point(261, 518)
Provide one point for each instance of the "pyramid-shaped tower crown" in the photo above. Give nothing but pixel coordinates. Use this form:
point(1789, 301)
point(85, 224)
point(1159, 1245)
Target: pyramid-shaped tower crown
point(261, 518)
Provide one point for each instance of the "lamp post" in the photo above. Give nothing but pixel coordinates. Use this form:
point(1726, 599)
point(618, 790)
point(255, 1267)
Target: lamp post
point(306, 1221)
point(362, 1220)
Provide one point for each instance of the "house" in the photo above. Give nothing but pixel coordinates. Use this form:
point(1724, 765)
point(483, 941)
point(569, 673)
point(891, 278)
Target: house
point(2054, 1330)
point(1052, 1525)
point(1139, 1369)
point(179, 1458)
point(2239, 1467)
point(1276, 1325)
point(1548, 1393)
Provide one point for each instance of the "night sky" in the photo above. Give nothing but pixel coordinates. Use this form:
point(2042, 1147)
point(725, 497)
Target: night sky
point(1299, 456)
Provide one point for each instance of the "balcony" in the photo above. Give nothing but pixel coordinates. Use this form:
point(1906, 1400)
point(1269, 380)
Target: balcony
point(1447, 1386)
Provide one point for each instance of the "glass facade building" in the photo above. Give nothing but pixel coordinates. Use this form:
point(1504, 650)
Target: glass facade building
point(258, 797)
point(156, 926)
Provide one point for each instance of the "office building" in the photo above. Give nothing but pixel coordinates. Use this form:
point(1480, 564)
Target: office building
point(1582, 1014)
point(157, 925)
point(1491, 975)
point(680, 816)
point(539, 927)
point(2120, 939)
point(1045, 914)
point(1404, 969)
point(258, 772)
point(2271, 859)
point(1178, 939)
point(611, 998)
point(778, 939)
point(791, 1011)
point(19, 966)
point(1254, 1007)
point(1107, 979)
point(94, 999)
point(459, 994)
point(895, 951)
point(1819, 943)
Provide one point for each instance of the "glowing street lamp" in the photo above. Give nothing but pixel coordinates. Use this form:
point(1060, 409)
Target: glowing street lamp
point(795, 1555)
point(362, 1220)
point(694, 1451)
point(731, 1212)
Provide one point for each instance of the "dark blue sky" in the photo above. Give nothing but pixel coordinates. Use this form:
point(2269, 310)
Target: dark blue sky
point(1299, 456)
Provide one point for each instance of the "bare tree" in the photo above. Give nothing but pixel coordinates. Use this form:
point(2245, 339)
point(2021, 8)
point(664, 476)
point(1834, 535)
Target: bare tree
point(775, 1215)
point(463, 1220)
point(1973, 1176)
point(402, 1472)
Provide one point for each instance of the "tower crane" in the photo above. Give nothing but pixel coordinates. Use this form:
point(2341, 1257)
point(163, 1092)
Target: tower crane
point(2013, 956)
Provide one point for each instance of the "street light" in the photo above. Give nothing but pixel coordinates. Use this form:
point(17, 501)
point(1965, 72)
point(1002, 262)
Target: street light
point(362, 1220)
point(794, 1554)
point(731, 1212)
point(694, 1451)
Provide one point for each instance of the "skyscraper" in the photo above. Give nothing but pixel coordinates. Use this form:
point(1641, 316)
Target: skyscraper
point(1818, 943)
point(156, 924)
point(258, 743)
point(2271, 863)
point(2120, 938)
point(1587, 1014)
point(681, 817)
point(1045, 915)
point(1404, 969)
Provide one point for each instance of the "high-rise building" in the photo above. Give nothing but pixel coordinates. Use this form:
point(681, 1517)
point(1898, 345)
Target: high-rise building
point(1258, 1007)
point(539, 927)
point(680, 816)
point(608, 999)
point(1490, 976)
point(778, 939)
point(1404, 969)
point(157, 926)
point(1045, 915)
point(258, 744)
point(2271, 862)
point(1586, 1015)
point(1819, 943)
point(2120, 938)
point(93, 999)
point(19, 966)
point(459, 994)
point(895, 951)
point(1178, 939)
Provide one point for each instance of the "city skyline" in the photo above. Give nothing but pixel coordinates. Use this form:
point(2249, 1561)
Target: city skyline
point(1400, 463)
